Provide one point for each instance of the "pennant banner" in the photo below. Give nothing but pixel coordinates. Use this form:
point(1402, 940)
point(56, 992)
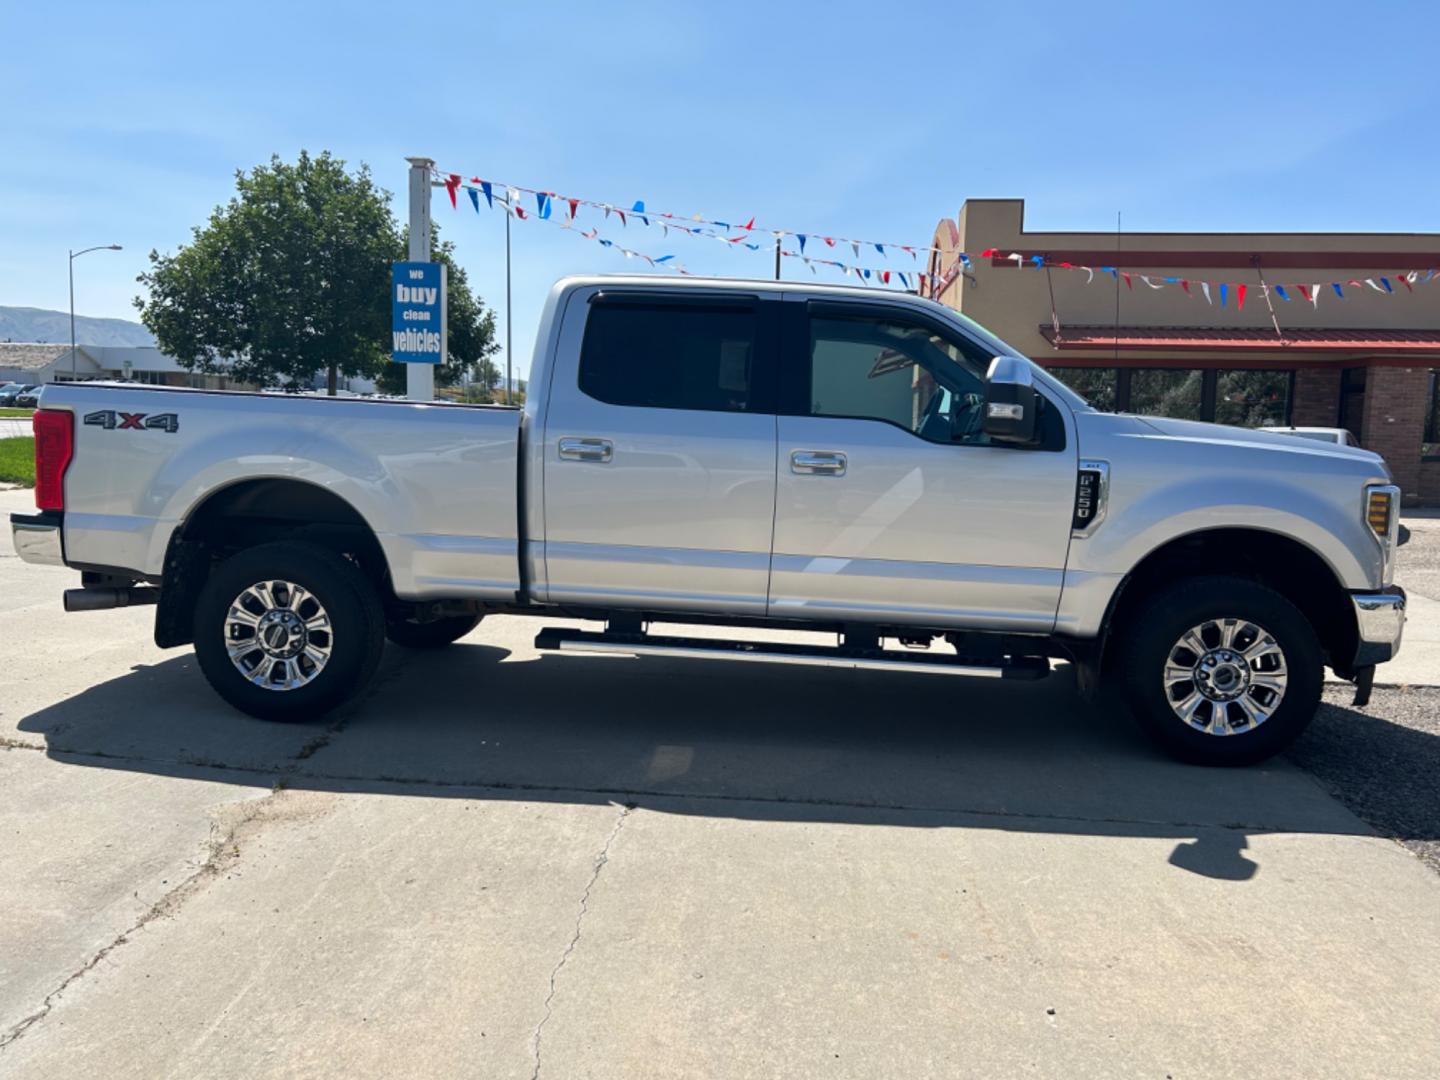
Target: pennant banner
point(752, 238)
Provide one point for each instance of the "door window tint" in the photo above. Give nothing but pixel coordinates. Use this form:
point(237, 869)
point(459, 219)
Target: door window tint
point(905, 374)
point(665, 356)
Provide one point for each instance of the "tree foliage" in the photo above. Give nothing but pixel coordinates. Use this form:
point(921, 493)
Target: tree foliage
point(292, 277)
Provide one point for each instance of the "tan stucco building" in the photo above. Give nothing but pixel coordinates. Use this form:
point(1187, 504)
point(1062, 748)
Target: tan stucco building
point(1365, 362)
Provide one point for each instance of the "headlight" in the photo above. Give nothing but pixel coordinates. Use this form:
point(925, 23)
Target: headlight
point(1382, 515)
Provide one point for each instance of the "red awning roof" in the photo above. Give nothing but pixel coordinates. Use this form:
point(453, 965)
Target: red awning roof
point(1251, 339)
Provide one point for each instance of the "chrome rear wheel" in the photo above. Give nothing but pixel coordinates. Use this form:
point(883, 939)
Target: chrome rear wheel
point(278, 635)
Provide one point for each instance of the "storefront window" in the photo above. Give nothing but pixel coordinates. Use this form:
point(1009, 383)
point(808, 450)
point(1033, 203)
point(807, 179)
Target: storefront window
point(1160, 392)
point(1252, 399)
point(1431, 446)
point(1095, 385)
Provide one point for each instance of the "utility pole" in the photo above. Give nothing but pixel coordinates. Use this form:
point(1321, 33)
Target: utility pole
point(508, 337)
point(777, 256)
point(74, 364)
point(420, 378)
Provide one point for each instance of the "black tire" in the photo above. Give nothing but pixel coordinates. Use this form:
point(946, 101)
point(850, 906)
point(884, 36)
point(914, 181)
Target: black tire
point(355, 639)
point(1148, 645)
point(431, 635)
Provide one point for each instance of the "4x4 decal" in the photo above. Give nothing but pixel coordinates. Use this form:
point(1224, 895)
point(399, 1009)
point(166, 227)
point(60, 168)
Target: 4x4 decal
point(110, 420)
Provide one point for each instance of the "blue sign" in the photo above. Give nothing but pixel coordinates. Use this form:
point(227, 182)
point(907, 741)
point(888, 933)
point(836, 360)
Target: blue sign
point(417, 313)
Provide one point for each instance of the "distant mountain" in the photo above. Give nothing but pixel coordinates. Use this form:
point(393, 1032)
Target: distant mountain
point(38, 324)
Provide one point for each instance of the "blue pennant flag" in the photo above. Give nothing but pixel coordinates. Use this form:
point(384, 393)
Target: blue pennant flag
point(903, 279)
point(1172, 281)
point(639, 210)
point(1108, 270)
point(801, 237)
point(664, 258)
point(474, 198)
point(1223, 290)
point(867, 274)
point(489, 194)
point(1280, 292)
point(543, 202)
point(1038, 260)
point(1338, 291)
point(880, 248)
point(965, 260)
point(1386, 283)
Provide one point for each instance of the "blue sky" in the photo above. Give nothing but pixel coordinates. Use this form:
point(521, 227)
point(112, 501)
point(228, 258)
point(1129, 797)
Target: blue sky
point(125, 122)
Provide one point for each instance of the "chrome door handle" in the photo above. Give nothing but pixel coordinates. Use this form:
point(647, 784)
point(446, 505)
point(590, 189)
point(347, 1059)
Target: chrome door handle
point(587, 449)
point(818, 462)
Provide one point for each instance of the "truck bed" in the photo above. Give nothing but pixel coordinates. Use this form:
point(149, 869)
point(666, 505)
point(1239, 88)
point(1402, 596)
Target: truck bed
point(437, 483)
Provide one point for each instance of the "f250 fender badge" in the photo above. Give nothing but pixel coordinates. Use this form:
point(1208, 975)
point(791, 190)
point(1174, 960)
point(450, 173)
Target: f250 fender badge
point(1092, 489)
point(112, 420)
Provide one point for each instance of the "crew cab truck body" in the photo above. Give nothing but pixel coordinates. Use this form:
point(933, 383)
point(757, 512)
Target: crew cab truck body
point(766, 455)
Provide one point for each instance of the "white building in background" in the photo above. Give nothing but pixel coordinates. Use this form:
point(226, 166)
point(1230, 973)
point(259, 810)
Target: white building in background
point(39, 363)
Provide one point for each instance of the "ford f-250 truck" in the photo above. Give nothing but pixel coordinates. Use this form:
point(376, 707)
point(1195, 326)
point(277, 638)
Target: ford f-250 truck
point(763, 455)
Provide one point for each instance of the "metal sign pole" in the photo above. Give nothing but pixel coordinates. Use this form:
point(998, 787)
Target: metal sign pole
point(420, 378)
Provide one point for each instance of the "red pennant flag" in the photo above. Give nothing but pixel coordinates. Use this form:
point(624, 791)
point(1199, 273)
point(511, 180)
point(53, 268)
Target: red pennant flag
point(1185, 285)
point(452, 185)
point(1064, 266)
point(1304, 291)
point(1126, 275)
point(828, 240)
point(988, 253)
point(922, 281)
point(622, 217)
point(885, 276)
point(574, 204)
point(1404, 280)
point(750, 224)
point(1239, 297)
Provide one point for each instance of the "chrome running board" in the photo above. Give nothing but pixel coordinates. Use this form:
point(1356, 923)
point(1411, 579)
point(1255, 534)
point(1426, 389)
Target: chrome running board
point(564, 639)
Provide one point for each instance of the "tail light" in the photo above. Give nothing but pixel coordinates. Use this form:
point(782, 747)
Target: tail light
point(54, 447)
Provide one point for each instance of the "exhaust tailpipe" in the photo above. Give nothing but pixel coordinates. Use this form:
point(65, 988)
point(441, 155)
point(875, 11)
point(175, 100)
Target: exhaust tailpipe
point(104, 599)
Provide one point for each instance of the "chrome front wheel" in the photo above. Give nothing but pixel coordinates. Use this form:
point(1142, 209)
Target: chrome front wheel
point(278, 635)
point(1225, 676)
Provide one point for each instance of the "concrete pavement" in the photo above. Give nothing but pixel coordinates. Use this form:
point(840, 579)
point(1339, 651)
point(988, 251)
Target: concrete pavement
point(501, 864)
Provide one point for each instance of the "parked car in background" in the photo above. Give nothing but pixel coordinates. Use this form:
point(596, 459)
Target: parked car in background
point(11, 391)
point(28, 398)
point(1337, 435)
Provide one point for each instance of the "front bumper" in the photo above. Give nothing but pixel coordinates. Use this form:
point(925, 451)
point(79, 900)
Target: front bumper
point(38, 538)
point(1380, 622)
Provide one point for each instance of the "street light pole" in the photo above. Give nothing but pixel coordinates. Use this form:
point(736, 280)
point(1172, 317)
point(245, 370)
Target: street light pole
point(74, 369)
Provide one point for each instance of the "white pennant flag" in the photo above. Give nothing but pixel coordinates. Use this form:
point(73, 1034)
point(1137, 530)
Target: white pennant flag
point(1152, 284)
point(856, 245)
point(1315, 297)
point(1371, 282)
point(1089, 274)
point(1205, 288)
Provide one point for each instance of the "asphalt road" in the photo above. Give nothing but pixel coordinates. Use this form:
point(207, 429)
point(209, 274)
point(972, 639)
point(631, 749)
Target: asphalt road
point(503, 864)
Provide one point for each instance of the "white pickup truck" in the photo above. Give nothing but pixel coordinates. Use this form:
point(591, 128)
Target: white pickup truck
point(764, 455)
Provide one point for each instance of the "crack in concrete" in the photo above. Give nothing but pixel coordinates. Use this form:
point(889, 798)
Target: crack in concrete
point(222, 851)
point(600, 862)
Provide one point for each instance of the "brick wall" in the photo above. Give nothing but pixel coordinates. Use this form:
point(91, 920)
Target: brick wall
point(1430, 483)
point(1395, 421)
point(1317, 397)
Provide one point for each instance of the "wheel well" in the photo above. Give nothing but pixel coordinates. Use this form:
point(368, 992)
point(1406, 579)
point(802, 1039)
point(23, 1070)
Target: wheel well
point(1293, 570)
point(256, 512)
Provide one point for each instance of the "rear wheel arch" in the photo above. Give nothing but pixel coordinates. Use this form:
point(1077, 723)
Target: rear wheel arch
point(246, 514)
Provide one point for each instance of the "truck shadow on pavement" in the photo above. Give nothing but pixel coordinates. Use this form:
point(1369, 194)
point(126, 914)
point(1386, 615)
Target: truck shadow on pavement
point(709, 738)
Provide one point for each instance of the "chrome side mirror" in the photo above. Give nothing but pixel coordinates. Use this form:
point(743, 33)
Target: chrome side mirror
point(1012, 407)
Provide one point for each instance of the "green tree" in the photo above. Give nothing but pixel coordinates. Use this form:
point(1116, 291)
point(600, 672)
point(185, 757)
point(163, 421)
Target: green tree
point(292, 277)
